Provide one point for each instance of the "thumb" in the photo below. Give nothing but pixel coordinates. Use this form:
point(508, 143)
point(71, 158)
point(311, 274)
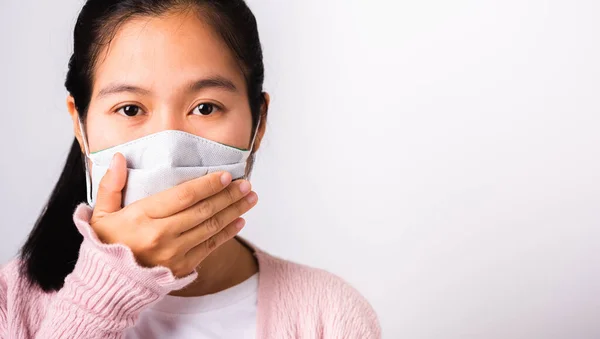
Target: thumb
point(109, 197)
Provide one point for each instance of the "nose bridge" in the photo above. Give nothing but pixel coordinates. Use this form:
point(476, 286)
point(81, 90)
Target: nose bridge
point(167, 117)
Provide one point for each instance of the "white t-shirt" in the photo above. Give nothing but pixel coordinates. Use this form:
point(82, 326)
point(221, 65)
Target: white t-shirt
point(227, 314)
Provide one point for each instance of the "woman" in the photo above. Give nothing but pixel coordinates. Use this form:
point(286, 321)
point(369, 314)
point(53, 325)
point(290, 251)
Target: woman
point(168, 110)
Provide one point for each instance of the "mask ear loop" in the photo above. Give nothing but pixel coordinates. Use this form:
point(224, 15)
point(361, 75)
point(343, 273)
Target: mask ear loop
point(247, 176)
point(88, 177)
point(255, 134)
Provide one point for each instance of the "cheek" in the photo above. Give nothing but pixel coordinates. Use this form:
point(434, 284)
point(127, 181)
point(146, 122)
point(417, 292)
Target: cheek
point(103, 133)
point(235, 131)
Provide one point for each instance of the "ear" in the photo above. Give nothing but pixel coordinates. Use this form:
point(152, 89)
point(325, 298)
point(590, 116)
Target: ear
point(263, 121)
point(75, 118)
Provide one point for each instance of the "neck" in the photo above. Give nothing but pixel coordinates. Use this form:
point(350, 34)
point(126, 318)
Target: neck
point(227, 266)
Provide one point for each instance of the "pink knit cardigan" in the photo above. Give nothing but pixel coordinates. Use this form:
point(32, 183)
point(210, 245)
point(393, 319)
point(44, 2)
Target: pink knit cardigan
point(107, 290)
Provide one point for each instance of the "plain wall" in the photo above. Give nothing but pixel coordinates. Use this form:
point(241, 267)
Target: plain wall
point(441, 156)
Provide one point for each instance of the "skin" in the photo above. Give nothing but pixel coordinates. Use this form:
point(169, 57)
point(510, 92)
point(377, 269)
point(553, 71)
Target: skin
point(158, 67)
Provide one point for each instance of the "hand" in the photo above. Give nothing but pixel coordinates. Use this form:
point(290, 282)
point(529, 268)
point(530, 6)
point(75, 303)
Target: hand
point(177, 228)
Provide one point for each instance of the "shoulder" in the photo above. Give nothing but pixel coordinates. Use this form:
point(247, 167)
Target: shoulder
point(13, 283)
point(342, 310)
point(19, 303)
point(9, 276)
point(299, 278)
point(13, 278)
point(17, 293)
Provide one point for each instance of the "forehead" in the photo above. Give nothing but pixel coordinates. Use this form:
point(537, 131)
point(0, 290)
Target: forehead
point(165, 50)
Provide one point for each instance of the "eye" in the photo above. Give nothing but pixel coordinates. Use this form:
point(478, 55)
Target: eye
point(205, 109)
point(129, 110)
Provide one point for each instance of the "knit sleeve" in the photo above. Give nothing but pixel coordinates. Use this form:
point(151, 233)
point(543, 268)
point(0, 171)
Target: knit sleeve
point(3, 307)
point(106, 291)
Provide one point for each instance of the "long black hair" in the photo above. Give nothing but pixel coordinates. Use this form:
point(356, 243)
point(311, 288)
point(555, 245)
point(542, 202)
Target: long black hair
point(52, 248)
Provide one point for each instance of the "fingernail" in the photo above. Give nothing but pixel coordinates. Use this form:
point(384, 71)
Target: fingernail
point(225, 178)
point(113, 163)
point(245, 187)
point(240, 224)
point(252, 198)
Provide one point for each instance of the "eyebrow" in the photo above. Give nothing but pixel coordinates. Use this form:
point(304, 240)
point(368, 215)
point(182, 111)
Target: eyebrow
point(211, 82)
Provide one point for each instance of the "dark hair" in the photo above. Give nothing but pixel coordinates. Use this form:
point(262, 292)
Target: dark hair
point(52, 248)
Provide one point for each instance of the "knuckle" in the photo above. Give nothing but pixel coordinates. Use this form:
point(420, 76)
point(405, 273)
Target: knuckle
point(177, 269)
point(211, 244)
point(213, 225)
point(206, 209)
point(185, 194)
point(228, 233)
point(231, 197)
point(214, 184)
point(186, 266)
point(103, 186)
point(241, 207)
point(154, 239)
point(136, 215)
point(167, 257)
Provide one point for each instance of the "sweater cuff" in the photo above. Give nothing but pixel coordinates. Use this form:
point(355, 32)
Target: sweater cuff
point(108, 279)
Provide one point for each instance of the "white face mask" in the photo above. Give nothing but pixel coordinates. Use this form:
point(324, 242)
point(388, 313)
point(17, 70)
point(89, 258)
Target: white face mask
point(163, 160)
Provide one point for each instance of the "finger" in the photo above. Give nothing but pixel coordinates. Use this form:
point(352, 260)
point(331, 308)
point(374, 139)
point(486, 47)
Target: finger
point(108, 199)
point(198, 253)
point(182, 196)
point(207, 208)
point(214, 225)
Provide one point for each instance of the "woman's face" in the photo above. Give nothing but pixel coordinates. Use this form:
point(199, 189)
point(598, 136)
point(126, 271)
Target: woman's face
point(170, 72)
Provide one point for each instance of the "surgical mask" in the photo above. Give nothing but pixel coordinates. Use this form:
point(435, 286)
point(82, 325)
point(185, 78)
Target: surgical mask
point(163, 160)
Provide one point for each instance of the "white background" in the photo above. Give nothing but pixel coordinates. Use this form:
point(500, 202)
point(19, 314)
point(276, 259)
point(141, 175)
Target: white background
point(441, 156)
